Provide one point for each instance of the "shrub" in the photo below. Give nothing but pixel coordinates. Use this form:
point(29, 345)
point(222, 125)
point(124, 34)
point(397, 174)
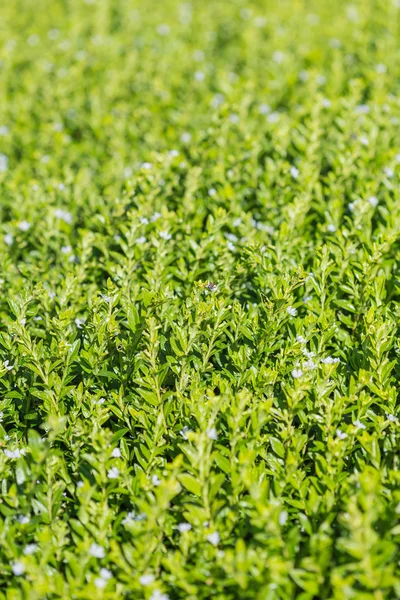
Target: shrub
point(199, 367)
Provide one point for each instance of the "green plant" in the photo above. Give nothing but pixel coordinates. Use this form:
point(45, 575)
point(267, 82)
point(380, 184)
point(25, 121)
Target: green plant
point(199, 355)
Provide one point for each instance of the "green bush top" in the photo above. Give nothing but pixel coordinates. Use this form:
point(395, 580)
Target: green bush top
point(199, 317)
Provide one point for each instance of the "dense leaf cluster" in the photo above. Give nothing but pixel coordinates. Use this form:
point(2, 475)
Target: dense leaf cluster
point(199, 308)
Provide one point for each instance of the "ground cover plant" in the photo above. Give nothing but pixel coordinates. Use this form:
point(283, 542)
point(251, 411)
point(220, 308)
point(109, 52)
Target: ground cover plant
point(199, 309)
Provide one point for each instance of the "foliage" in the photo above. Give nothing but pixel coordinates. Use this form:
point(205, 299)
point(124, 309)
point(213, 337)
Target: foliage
point(199, 357)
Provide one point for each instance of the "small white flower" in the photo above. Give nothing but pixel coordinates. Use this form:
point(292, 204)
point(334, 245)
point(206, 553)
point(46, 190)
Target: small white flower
point(4, 130)
point(105, 573)
point(291, 311)
point(66, 249)
point(8, 366)
point(12, 453)
point(326, 103)
point(359, 425)
point(278, 57)
point(212, 433)
point(80, 484)
point(17, 568)
point(329, 360)
point(381, 68)
point(214, 538)
point(97, 551)
point(79, 322)
point(155, 480)
point(391, 418)
point(217, 100)
point(231, 237)
point(141, 240)
point(165, 235)
point(147, 166)
point(307, 299)
point(301, 339)
point(163, 29)
point(173, 153)
point(373, 201)
point(3, 163)
point(308, 353)
point(61, 187)
point(212, 192)
point(144, 220)
point(341, 435)
point(297, 373)
point(388, 172)
point(245, 13)
point(141, 517)
point(184, 527)
point(294, 172)
point(310, 365)
point(331, 228)
point(321, 79)
point(364, 140)
point(23, 519)
point(186, 138)
point(146, 579)
point(157, 595)
point(362, 109)
point(113, 473)
point(155, 217)
point(30, 549)
point(8, 239)
point(234, 119)
point(199, 76)
point(283, 517)
point(100, 583)
point(33, 40)
point(264, 109)
point(129, 518)
point(24, 225)
point(184, 431)
point(63, 215)
point(260, 22)
point(303, 75)
point(116, 453)
point(273, 117)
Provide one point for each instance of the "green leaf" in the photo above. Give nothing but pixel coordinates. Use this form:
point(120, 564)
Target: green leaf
point(190, 483)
